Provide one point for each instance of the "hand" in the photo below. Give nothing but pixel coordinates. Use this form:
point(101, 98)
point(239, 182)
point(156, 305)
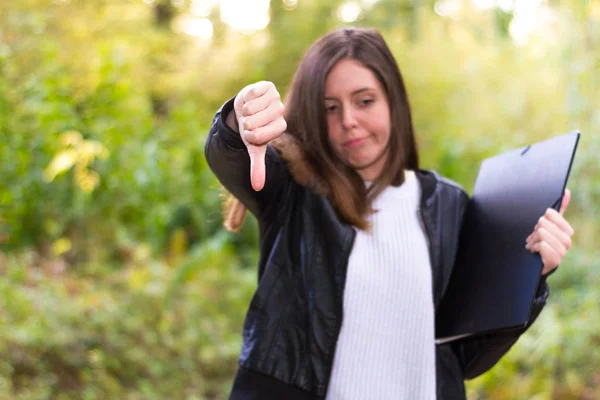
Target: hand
point(259, 112)
point(551, 236)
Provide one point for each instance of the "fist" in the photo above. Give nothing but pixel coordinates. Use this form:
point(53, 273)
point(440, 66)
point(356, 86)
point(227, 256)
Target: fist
point(259, 113)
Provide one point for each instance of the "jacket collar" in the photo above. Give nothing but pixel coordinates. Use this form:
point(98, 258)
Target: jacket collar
point(429, 182)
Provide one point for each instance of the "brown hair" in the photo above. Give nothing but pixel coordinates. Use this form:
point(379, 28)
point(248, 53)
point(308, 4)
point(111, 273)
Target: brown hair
point(306, 119)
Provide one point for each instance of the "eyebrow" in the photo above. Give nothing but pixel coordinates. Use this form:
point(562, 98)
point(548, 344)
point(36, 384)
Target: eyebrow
point(353, 93)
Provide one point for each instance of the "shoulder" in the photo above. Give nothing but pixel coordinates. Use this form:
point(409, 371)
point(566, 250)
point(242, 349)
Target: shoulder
point(434, 183)
point(452, 185)
point(444, 195)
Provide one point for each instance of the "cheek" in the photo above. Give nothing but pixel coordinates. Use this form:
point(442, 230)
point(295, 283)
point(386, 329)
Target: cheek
point(379, 128)
point(382, 126)
point(385, 132)
point(334, 133)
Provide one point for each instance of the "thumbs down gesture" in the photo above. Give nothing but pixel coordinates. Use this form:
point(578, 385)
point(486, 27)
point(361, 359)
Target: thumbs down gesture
point(259, 118)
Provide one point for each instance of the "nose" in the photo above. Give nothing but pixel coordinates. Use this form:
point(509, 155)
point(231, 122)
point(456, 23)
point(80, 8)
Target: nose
point(348, 118)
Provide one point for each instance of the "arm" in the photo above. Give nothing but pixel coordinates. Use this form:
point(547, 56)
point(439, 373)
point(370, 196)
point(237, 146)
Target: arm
point(227, 156)
point(552, 239)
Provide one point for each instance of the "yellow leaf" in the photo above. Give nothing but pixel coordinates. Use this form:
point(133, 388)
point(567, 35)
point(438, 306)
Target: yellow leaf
point(70, 138)
point(139, 278)
point(94, 147)
point(87, 180)
point(61, 246)
point(177, 245)
point(62, 162)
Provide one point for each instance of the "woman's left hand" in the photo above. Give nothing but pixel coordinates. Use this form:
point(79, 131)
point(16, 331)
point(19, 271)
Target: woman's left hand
point(551, 236)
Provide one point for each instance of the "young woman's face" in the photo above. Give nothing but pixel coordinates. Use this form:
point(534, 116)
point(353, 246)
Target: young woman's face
point(358, 117)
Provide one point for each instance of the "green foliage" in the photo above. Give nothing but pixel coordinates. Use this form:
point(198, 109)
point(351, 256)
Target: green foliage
point(116, 278)
point(88, 338)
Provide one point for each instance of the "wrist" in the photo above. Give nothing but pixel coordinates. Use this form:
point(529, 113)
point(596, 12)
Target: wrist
point(231, 121)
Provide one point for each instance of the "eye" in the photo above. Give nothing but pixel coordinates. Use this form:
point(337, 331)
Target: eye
point(366, 102)
point(330, 109)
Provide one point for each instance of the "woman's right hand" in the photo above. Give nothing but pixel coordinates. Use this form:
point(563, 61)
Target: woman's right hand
point(259, 119)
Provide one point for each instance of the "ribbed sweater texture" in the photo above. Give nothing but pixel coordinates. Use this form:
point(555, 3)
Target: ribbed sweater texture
point(386, 346)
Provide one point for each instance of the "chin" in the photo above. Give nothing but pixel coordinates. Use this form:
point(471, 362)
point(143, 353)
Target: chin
point(362, 164)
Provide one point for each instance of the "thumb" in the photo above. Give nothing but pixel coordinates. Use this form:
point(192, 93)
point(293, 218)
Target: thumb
point(565, 201)
point(257, 166)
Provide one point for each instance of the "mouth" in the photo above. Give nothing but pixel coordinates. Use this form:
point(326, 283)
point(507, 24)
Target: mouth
point(354, 142)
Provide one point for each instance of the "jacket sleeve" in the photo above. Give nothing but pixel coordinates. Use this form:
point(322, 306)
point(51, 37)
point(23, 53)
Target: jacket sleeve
point(478, 354)
point(228, 158)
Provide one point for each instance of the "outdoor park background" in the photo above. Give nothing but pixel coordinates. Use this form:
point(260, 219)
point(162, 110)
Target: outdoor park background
point(117, 280)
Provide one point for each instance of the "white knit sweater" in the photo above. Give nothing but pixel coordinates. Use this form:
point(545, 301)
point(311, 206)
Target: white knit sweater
point(386, 346)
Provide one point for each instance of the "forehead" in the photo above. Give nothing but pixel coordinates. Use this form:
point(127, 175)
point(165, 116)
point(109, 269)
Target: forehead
point(348, 76)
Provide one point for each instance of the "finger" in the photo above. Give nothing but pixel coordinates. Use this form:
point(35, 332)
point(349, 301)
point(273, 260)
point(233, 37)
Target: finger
point(556, 231)
point(530, 240)
point(259, 104)
point(238, 104)
point(535, 245)
point(257, 166)
point(256, 90)
point(265, 134)
point(533, 240)
point(249, 93)
point(263, 118)
point(550, 258)
point(565, 201)
point(553, 241)
point(559, 221)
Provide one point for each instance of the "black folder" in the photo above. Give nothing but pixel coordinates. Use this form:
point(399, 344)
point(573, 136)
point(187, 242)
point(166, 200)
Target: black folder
point(495, 278)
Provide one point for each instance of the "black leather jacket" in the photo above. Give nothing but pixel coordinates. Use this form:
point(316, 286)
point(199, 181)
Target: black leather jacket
point(292, 325)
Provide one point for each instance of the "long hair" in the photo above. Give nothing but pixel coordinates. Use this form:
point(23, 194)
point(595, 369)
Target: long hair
point(307, 122)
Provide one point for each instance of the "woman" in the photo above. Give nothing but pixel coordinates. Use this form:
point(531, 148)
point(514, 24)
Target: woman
point(357, 243)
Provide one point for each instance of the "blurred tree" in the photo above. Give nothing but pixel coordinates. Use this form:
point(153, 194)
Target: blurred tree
point(164, 12)
point(156, 304)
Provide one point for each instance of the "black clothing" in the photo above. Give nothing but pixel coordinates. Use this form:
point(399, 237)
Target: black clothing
point(292, 326)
